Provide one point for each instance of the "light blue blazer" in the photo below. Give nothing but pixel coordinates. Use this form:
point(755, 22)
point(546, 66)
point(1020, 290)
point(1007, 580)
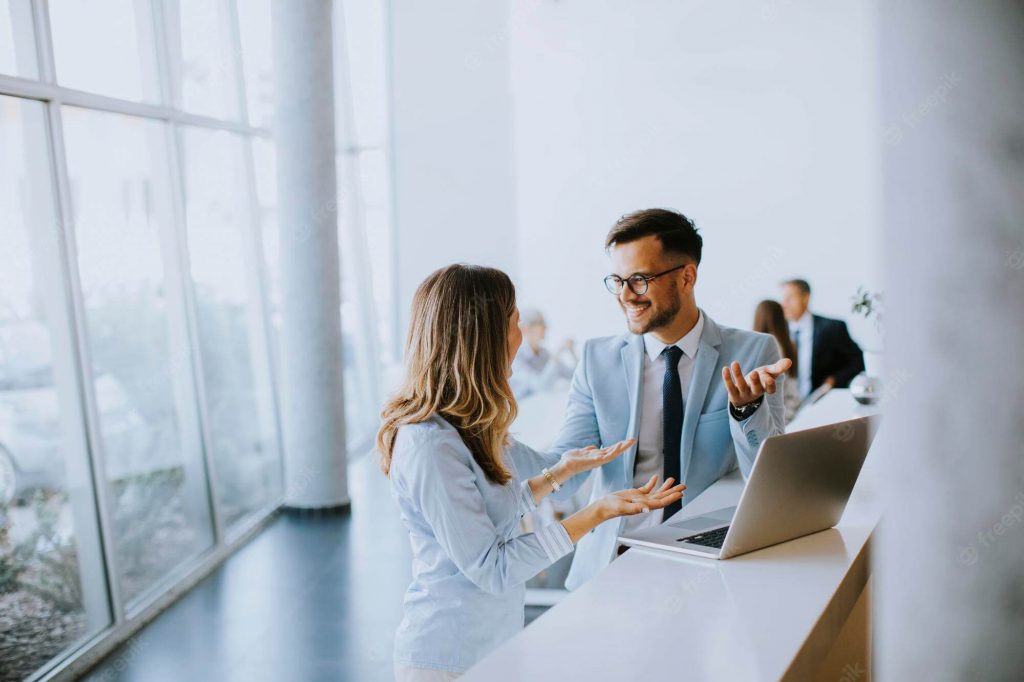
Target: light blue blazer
point(604, 408)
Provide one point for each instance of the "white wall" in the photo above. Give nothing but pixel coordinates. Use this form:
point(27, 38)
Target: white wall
point(755, 119)
point(452, 138)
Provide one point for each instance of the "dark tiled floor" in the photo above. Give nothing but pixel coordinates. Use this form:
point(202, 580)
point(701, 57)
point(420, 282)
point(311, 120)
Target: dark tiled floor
point(307, 599)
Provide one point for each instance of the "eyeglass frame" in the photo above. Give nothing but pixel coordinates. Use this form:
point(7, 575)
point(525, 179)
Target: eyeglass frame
point(636, 277)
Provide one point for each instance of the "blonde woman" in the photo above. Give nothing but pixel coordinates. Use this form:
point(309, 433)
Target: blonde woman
point(462, 484)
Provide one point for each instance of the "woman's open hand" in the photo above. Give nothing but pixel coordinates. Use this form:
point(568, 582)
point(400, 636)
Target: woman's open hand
point(577, 461)
point(639, 500)
point(622, 503)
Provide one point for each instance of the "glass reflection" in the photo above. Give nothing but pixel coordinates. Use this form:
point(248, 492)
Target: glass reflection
point(239, 401)
point(17, 42)
point(204, 61)
point(136, 330)
point(52, 587)
point(113, 56)
point(254, 27)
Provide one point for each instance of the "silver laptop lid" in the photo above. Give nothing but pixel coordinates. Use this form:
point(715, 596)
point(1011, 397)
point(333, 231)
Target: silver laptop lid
point(799, 484)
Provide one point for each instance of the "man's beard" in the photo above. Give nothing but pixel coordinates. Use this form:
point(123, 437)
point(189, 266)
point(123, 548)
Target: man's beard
point(661, 319)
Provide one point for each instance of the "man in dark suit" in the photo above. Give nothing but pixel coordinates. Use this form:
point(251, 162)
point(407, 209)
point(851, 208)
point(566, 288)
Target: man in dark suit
point(825, 352)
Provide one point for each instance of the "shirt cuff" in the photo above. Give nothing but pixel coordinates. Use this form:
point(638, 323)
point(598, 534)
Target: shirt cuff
point(555, 540)
point(526, 502)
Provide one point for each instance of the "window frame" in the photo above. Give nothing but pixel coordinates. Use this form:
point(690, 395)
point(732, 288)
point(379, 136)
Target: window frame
point(70, 331)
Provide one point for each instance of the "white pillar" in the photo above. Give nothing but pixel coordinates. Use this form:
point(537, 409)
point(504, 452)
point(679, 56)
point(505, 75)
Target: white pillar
point(312, 411)
point(950, 553)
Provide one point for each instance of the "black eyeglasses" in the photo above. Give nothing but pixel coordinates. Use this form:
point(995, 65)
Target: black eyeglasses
point(636, 282)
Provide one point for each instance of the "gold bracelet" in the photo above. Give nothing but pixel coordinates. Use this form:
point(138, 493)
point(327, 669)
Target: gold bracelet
point(555, 485)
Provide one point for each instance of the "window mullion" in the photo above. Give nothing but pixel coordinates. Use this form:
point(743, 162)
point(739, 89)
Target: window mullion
point(164, 62)
point(83, 359)
point(44, 41)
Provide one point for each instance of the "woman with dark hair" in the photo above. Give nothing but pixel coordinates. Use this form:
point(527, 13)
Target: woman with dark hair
point(770, 319)
point(463, 484)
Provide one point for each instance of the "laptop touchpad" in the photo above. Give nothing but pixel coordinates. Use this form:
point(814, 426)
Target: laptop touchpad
point(715, 518)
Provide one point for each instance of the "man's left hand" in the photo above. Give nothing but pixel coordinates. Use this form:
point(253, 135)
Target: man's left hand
point(745, 389)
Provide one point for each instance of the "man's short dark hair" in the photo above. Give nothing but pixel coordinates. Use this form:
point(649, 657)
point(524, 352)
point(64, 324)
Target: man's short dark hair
point(800, 284)
point(677, 233)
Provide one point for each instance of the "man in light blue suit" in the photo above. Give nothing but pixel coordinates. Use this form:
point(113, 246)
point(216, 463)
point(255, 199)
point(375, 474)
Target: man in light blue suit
point(675, 382)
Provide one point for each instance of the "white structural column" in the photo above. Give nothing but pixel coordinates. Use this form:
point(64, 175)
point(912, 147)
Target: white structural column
point(311, 365)
point(949, 564)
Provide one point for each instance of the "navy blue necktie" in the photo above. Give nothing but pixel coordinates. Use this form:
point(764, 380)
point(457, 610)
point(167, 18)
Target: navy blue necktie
point(672, 420)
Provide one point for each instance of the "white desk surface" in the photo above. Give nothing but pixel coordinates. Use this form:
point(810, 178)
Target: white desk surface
point(768, 615)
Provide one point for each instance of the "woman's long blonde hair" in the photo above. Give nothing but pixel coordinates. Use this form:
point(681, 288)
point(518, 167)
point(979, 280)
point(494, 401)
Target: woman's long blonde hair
point(457, 363)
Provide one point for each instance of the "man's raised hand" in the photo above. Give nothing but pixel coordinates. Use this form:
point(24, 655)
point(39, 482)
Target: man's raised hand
point(745, 389)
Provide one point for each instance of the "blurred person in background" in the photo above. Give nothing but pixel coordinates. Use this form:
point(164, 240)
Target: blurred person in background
point(535, 368)
point(769, 318)
point(826, 354)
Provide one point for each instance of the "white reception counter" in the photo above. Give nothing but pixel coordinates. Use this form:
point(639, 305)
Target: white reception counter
point(772, 614)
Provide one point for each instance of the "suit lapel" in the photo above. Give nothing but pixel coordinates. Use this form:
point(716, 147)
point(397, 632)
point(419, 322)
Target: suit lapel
point(705, 369)
point(632, 355)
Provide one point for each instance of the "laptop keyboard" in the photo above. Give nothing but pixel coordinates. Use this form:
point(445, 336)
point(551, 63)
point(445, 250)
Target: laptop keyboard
point(711, 538)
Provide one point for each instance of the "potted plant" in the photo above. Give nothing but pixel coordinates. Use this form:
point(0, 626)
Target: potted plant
point(866, 387)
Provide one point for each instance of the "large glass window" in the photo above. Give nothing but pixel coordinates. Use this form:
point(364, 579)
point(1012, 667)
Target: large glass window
point(362, 133)
point(358, 320)
point(52, 590)
point(376, 200)
point(358, 334)
point(140, 295)
point(204, 62)
point(363, 43)
point(255, 34)
point(141, 367)
point(265, 171)
point(106, 47)
point(17, 43)
point(233, 342)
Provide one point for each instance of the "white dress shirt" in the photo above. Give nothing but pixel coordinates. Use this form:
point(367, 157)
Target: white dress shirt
point(649, 457)
point(804, 349)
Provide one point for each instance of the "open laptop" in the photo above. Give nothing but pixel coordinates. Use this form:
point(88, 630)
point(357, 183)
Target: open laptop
point(799, 484)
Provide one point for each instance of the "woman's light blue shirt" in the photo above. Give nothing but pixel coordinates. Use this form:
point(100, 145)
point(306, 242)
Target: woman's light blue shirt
point(470, 562)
